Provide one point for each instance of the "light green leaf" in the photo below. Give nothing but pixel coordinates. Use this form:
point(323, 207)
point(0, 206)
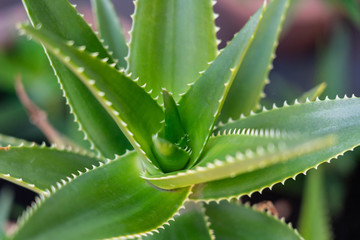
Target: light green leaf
point(313, 93)
point(109, 201)
point(6, 200)
point(234, 221)
point(229, 155)
point(37, 167)
point(201, 105)
point(61, 19)
point(314, 220)
point(135, 112)
point(339, 117)
point(249, 83)
point(110, 29)
point(171, 42)
point(190, 225)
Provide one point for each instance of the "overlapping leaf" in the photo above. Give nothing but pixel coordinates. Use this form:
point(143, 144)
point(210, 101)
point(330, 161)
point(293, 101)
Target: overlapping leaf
point(201, 105)
point(62, 19)
point(230, 155)
point(339, 117)
point(105, 202)
point(248, 85)
point(135, 112)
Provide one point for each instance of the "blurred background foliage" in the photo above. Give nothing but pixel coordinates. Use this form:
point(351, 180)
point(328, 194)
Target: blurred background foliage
point(320, 43)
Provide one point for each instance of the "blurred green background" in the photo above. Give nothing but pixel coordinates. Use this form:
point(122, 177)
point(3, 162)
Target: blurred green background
point(320, 43)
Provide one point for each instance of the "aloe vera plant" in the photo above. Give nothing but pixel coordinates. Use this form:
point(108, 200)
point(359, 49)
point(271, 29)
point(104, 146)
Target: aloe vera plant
point(151, 111)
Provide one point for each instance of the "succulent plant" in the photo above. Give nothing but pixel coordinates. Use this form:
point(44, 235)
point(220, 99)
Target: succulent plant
point(153, 111)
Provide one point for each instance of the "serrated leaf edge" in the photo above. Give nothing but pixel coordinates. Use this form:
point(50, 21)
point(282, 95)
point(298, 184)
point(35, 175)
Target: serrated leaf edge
point(284, 105)
point(260, 190)
point(33, 145)
point(268, 152)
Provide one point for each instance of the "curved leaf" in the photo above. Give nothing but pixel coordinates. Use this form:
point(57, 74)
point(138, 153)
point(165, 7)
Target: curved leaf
point(135, 112)
point(38, 167)
point(201, 105)
point(339, 117)
point(109, 201)
point(234, 221)
point(110, 29)
point(171, 42)
point(250, 80)
point(190, 225)
point(62, 19)
point(230, 155)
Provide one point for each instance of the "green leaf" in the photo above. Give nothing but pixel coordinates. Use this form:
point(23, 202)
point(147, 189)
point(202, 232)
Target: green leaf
point(37, 167)
point(110, 29)
point(171, 42)
point(314, 221)
point(6, 200)
point(135, 112)
point(7, 140)
point(190, 225)
point(234, 221)
point(173, 128)
point(249, 83)
point(339, 117)
point(313, 93)
point(61, 19)
point(201, 105)
point(109, 201)
point(229, 155)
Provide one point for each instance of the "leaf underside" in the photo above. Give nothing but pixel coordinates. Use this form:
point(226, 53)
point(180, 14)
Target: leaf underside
point(119, 204)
